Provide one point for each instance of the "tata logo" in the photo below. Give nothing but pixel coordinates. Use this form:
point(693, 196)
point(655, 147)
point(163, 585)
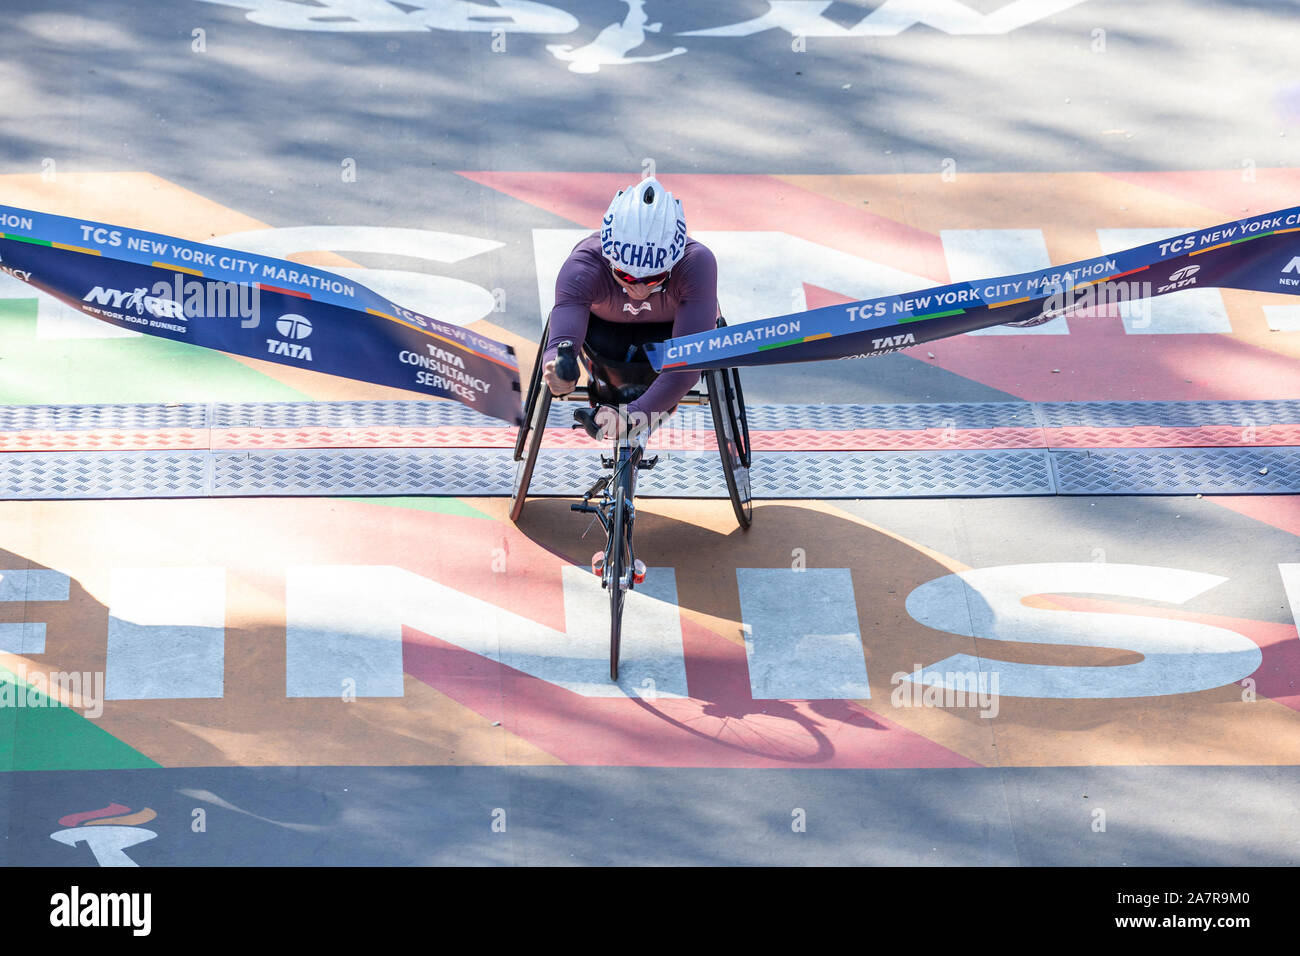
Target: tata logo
point(137, 299)
point(293, 326)
point(291, 349)
point(894, 341)
point(1183, 277)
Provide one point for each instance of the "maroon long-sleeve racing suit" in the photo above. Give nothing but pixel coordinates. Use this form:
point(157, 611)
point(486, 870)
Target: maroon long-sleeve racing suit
point(689, 300)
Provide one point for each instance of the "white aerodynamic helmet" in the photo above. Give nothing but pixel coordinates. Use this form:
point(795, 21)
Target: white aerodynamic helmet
point(644, 230)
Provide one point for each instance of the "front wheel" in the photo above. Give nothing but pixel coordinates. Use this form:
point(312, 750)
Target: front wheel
point(618, 562)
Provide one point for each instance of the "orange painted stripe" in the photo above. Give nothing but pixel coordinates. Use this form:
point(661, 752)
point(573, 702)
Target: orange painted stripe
point(998, 305)
point(130, 820)
point(1221, 245)
point(64, 245)
point(176, 268)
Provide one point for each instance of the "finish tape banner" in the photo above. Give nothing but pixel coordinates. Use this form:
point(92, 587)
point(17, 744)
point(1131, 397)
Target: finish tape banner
point(1260, 254)
point(256, 306)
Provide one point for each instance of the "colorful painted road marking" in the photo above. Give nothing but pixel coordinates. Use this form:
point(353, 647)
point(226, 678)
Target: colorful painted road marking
point(356, 633)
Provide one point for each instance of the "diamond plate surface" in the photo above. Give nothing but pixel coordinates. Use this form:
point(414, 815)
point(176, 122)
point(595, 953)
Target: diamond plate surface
point(1178, 471)
point(116, 417)
point(123, 474)
point(817, 474)
point(291, 415)
point(399, 471)
point(684, 474)
point(1170, 414)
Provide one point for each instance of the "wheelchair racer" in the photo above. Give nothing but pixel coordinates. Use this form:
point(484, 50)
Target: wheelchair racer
point(640, 279)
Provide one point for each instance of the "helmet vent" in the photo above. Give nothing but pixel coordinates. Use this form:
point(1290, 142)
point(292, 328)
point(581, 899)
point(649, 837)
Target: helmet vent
point(648, 197)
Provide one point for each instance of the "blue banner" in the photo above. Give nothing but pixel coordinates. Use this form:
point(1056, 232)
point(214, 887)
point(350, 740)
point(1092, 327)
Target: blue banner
point(256, 306)
point(1261, 254)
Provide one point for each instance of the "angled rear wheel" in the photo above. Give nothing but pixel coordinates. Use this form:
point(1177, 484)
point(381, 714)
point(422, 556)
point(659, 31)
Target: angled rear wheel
point(530, 442)
point(732, 430)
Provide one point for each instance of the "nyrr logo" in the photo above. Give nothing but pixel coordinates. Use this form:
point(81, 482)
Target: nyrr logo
point(138, 300)
point(1292, 266)
point(291, 326)
point(1183, 277)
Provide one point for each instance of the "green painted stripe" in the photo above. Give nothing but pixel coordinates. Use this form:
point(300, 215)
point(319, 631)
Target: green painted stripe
point(1248, 238)
point(28, 239)
point(145, 369)
point(781, 345)
point(50, 736)
point(932, 315)
point(444, 506)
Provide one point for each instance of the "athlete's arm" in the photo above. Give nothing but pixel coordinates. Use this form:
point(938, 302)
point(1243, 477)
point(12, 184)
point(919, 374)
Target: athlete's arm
point(574, 293)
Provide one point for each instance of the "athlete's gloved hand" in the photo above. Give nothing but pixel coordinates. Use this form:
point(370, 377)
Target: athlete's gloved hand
point(561, 374)
point(557, 385)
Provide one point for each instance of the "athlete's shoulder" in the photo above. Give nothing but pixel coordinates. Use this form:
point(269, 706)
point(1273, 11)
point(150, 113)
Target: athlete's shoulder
point(581, 275)
point(588, 249)
point(695, 248)
point(697, 263)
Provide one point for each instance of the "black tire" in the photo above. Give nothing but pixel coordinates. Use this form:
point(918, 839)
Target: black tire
point(617, 562)
point(734, 468)
point(739, 418)
point(534, 388)
point(533, 427)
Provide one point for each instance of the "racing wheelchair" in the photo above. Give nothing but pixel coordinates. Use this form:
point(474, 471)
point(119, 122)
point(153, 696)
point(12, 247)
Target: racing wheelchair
point(618, 381)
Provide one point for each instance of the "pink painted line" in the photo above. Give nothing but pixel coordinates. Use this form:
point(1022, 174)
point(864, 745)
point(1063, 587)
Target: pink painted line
point(739, 203)
point(1098, 361)
point(1151, 436)
point(1280, 511)
point(103, 440)
point(1223, 190)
